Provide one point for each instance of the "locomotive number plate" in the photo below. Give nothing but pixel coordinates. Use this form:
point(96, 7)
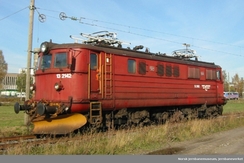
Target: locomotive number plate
point(63, 75)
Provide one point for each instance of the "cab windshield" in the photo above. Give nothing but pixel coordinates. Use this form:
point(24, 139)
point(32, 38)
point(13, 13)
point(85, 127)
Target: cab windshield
point(60, 60)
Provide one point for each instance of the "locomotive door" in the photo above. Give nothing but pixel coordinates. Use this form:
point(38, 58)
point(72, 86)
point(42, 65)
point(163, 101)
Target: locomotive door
point(93, 77)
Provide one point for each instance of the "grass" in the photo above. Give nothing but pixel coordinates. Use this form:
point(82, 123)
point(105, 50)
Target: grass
point(234, 106)
point(11, 124)
point(133, 141)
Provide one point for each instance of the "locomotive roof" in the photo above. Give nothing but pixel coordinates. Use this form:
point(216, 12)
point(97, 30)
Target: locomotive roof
point(134, 53)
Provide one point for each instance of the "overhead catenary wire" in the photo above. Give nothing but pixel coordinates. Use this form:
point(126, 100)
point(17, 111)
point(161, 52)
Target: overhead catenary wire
point(14, 13)
point(144, 29)
point(209, 49)
point(149, 30)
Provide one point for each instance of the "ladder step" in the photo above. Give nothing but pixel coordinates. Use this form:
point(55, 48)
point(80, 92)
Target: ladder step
point(95, 116)
point(95, 112)
point(95, 109)
point(108, 76)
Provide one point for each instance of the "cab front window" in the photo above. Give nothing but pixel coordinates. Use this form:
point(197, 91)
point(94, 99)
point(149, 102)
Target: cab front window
point(46, 61)
point(60, 60)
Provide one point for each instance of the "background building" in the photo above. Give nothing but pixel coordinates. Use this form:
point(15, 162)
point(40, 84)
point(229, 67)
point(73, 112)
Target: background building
point(9, 86)
point(9, 82)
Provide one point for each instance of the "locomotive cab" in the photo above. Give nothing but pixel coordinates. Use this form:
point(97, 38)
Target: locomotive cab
point(55, 91)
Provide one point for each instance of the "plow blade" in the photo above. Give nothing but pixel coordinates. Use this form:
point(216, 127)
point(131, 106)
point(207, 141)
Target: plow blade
point(61, 125)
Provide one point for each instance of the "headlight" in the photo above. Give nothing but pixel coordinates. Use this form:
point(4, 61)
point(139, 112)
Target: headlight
point(44, 47)
point(58, 86)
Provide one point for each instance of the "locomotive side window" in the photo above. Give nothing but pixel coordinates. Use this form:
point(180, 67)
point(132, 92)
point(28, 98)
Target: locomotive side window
point(168, 70)
point(160, 70)
point(193, 73)
point(93, 61)
point(211, 74)
point(46, 61)
point(60, 60)
point(131, 66)
point(176, 71)
point(142, 68)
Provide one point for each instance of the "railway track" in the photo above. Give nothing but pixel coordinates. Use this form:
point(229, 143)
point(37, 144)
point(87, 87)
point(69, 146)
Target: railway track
point(17, 138)
point(8, 142)
point(237, 115)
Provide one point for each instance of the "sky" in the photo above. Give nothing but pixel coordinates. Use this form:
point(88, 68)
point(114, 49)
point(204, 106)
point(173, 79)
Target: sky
point(213, 28)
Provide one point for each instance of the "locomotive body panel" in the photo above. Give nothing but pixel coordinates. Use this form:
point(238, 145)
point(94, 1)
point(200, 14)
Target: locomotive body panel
point(145, 86)
point(152, 89)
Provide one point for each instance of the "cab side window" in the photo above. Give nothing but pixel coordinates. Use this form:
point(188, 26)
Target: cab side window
point(218, 75)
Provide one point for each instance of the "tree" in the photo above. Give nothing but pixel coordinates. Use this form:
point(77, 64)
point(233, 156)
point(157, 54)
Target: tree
point(3, 68)
point(21, 80)
point(241, 87)
point(226, 82)
point(237, 84)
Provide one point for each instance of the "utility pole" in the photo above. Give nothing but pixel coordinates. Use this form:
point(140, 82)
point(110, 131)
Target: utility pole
point(29, 53)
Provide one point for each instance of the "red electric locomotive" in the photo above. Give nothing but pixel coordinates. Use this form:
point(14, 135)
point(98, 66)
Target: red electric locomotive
point(98, 83)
